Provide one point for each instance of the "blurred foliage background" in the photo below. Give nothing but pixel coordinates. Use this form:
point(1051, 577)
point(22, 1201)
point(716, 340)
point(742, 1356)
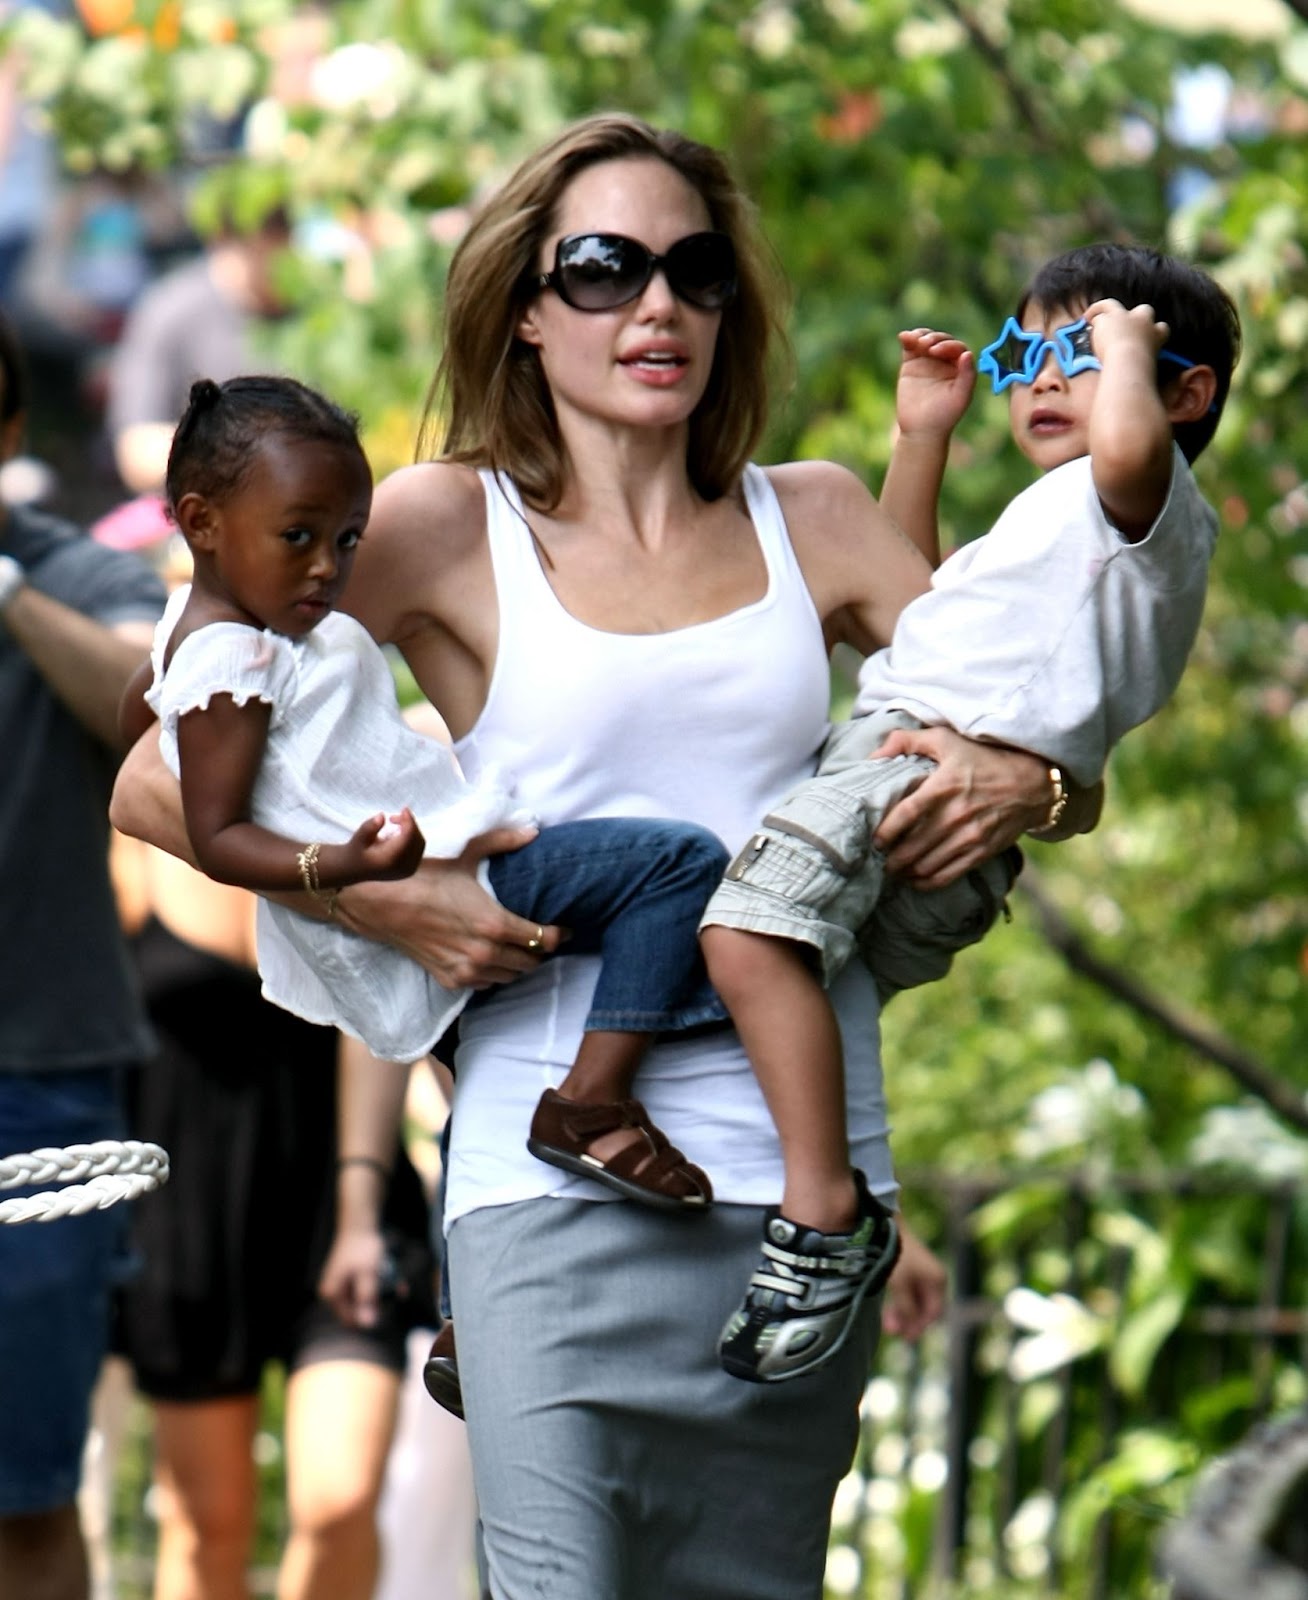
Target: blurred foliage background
point(912, 161)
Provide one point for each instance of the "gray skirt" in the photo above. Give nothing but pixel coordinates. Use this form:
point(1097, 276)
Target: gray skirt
point(613, 1457)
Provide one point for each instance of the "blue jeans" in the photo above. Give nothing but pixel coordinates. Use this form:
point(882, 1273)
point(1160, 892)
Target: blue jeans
point(55, 1280)
point(631, 890)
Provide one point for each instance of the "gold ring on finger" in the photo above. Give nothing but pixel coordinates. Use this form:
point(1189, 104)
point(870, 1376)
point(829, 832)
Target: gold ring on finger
point(537, 939)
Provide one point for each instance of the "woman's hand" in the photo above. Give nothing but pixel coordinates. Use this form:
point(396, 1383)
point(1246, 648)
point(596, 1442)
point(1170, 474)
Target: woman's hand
point(980, 799)
point(443, 919)
point(351, 1276)
point(915, 1295)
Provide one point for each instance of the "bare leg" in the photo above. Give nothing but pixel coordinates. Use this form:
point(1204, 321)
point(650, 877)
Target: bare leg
point(340, 1420)
point(205, 1475)
point(790, 1034)
point(606, 1066)
point(42, 1556)
point(636, 1157)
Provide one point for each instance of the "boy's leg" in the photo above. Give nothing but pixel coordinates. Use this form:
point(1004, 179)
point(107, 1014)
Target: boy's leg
point(791, 1037)
point(782, 922)
point(911, 936)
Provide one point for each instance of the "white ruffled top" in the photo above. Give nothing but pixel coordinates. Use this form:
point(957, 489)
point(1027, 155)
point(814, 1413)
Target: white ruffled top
point(338, 751)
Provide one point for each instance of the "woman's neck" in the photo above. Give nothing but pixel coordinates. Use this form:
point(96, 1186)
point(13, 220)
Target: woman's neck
point(630, 483)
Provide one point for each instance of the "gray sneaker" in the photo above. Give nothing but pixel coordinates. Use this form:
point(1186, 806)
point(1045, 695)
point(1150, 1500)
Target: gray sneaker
point(806, 1292)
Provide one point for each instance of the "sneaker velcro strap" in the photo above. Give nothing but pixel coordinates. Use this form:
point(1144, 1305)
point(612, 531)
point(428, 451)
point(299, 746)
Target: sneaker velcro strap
point(788, 1258)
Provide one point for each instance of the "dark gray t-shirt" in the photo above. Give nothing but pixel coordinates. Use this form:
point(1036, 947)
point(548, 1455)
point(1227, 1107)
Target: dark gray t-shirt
point(181, 329)
point(67, 996)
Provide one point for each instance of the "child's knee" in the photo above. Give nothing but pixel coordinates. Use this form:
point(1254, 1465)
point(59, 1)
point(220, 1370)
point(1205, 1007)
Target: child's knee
point(694, 856)
point(741, 963)
point(706, 854)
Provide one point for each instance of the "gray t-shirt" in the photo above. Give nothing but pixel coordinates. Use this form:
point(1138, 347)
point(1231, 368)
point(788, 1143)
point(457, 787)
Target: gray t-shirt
point(181, 329)
point(67, 994)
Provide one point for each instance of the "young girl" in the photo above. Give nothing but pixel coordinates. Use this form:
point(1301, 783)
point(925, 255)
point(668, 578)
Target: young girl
point(278, 714)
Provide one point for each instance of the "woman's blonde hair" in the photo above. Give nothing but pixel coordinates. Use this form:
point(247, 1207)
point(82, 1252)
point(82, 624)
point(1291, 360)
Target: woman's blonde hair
point(490, 387)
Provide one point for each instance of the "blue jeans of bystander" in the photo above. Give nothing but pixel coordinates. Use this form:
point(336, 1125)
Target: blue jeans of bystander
point(55, 1279)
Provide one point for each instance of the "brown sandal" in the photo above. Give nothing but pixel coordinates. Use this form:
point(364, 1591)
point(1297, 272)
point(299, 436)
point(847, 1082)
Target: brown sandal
point(649, 1169)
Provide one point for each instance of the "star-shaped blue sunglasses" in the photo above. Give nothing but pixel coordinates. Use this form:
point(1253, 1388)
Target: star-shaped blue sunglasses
point(1017, 355)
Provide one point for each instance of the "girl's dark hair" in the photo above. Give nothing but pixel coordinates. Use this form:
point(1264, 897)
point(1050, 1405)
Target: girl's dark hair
point(218, 438)
point(497, 408)
point(1203, 322)
point(13, 373)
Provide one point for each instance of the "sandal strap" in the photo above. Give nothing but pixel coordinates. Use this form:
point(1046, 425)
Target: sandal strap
point(646, 1165)
point(585, 1121)
point(649, 1162)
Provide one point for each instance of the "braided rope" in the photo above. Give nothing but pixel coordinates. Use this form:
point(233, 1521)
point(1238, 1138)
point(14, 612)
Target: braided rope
point(114, 1170)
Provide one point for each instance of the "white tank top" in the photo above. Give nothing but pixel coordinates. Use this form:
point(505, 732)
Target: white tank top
point(712, 723)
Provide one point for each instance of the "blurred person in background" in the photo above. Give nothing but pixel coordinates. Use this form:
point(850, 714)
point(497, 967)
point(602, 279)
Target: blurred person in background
point(244, 1098)
point(198, 320)
point(75, 622)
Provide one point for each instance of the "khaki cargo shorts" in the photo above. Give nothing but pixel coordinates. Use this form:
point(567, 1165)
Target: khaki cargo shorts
point(812, 874)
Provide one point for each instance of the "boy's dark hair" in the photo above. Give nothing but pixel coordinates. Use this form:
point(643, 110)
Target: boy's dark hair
point(1204, 324)
point(13, 373)
point(218, 438)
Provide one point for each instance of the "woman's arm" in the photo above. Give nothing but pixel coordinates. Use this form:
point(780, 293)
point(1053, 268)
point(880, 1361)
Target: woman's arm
point(980, 799)
point(441, 917)
point(370, 1101)
point(862, 570)
point(147, 801)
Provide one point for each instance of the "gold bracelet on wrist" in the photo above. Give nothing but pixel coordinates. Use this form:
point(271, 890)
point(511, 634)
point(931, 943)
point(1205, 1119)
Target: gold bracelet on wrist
point(307, 861)
point(1057, 803)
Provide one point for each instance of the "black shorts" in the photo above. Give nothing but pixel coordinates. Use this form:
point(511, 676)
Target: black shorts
point(227, 1254)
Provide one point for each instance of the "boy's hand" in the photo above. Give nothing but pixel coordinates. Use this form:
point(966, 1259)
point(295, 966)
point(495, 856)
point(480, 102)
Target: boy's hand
point(936, 377)
point(1114, 329)
point(380, 848)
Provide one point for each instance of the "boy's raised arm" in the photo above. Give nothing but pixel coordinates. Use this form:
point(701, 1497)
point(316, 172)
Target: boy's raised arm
point(936, 378)
point(1130, 428)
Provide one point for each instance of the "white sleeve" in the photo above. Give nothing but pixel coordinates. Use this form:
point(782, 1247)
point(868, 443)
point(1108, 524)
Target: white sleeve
point(227, 658)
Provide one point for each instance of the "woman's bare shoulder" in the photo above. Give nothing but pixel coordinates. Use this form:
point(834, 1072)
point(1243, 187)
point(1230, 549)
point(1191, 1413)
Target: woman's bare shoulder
point(426, 531)
point(433, 500)
point(860, 568)
point(826, 502)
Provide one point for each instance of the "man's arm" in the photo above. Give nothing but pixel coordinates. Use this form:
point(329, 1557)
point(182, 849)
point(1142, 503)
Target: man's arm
point(86, 663)
point(141, 454)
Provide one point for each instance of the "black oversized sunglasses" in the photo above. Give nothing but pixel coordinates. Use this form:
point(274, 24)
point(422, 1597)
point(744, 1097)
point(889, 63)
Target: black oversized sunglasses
point(598, 271)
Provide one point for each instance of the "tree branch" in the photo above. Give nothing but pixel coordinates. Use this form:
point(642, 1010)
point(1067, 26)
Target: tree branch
point(1283, 1097)
point(1100, 217)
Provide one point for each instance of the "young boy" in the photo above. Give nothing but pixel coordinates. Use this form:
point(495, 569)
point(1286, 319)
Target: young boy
point(1065, 626)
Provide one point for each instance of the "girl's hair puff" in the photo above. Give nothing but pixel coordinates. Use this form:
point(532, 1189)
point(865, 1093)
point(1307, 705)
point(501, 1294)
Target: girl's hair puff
point(219, 436)
point(490, 387)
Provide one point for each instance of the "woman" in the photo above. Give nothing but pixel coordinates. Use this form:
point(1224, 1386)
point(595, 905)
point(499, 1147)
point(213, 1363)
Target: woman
point(635, 622)
point(243, 1096)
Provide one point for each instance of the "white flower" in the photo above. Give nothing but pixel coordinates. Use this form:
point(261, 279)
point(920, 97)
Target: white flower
point(1062, 1331)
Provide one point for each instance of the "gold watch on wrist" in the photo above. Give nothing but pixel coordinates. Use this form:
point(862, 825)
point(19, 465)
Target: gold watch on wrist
point(1057, 803)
